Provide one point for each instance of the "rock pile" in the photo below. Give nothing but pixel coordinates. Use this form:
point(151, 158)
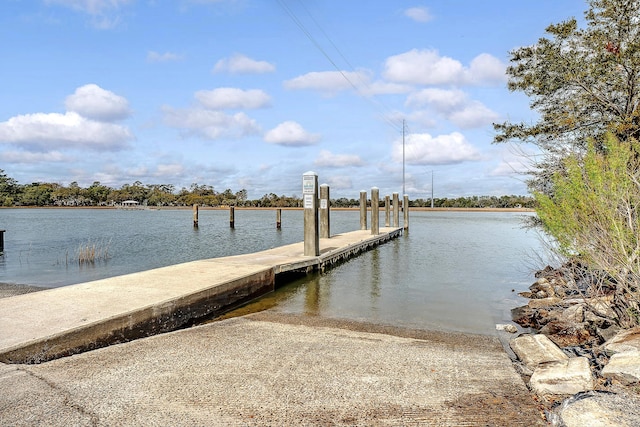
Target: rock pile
point(576, 351)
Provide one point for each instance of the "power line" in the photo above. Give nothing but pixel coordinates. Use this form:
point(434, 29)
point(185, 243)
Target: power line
point(376, 103)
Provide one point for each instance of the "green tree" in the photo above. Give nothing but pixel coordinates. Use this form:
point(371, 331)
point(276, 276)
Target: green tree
point(98, 193)
point(583, 82)
point(36, 194)
point(8, 189)
point(594, 216)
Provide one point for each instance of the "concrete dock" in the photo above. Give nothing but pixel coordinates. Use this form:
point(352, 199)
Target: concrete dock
point(45, 325)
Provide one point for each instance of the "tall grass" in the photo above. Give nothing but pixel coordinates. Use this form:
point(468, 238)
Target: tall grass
point(90, 253)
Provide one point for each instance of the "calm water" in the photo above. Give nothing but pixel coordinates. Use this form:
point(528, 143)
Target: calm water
point(452, 271)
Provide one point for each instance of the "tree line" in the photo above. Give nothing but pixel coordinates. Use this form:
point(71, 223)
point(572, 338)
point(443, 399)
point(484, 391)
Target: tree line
point(52, 194)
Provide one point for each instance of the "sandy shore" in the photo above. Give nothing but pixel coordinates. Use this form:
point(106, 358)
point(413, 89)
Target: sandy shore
point(10, 290)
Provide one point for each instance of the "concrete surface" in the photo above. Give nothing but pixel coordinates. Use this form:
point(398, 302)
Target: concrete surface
point(276, 370)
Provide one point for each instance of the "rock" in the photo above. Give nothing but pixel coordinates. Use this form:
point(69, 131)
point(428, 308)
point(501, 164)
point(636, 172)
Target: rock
point(533, 350)
point(542, 288)
point(573, 314)
point(544, 302)
point(562, 377)
point(601, 306)
point(594, 319)
point(567, 334)
point(525, 317)
point(544, 272)
point(623, 367)
point(507, 328)
point(627, 340)
point(606, 334)
point(527, 295)
point(598, 409)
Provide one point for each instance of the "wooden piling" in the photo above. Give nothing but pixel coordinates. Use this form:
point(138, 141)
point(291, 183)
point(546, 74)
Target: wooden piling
point(278, 218)
point(195, 216)
point(325, 212)
point(2, 241)
point(363, 210)
point(232, 217)
point(375, 206)
point(396, 210)
point(405, 209)
point(386, 211)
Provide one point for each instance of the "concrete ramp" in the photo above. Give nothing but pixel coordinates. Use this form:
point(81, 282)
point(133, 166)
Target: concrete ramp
point(45, 325)
point(272, 369)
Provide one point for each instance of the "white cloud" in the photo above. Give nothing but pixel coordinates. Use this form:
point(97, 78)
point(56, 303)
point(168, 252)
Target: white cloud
point(169, 170)
point(232, 98)
point(487, 69)
point(328, 82)
point(241, 64)
point(473, 115)
point(340, 182)
point(418, 14)
point(427, 67)
point(384, 88)
point(210, 124)
point(291, 134)
point(443, 100)
point(153, 56)
point(93, 102)
point(44, 132)
point(424, 149)
point(31, 157)
point(328, 159)
point(453, 105)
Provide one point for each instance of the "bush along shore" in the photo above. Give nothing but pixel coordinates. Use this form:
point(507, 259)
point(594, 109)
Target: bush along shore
point(579, 356)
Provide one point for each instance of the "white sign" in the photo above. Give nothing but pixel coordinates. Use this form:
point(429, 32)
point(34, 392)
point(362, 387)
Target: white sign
point(308, 201)
point(323, 203)
point(308, 184)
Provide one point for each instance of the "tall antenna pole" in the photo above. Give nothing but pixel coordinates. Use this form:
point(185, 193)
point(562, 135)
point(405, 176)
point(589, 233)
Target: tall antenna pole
point(403, 182)
point(431, 189)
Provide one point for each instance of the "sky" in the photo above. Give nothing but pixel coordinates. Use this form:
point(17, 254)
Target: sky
point(252, 94)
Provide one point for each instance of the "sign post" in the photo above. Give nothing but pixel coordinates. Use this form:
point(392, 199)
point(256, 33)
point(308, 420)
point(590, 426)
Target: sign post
point(325, 212)
point(310, 203)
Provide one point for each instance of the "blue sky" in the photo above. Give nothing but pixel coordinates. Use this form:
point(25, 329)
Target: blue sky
point(253, 93)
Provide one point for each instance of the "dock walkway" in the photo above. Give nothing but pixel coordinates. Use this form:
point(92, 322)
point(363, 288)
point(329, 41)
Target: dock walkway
point(45, 325)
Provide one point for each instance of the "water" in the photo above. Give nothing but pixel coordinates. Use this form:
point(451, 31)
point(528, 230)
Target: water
point(452, 271)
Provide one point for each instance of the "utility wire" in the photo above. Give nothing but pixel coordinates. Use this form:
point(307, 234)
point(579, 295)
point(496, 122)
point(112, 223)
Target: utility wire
point(377, 104)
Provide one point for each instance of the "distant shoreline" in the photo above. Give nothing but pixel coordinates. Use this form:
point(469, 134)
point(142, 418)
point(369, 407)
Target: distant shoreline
point(249, 208)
